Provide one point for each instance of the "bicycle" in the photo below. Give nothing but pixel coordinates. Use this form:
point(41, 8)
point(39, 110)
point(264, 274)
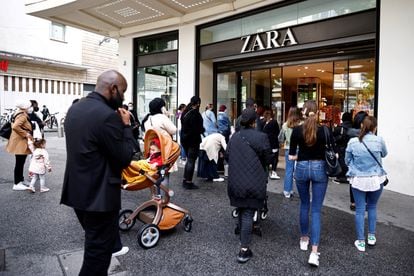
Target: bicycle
point(51, 120)
point(6, 117)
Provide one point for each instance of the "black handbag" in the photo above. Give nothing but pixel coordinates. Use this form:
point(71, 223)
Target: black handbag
point(333, 167)
point(373, 156)
point(5, 130)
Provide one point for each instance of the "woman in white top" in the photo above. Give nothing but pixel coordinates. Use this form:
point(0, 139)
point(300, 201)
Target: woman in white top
point(158, 120)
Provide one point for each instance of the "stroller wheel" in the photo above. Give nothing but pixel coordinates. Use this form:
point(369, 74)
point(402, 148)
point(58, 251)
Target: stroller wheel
point(263, 215)
point(235, 213)
point(124, 222)
point(188, 222)
point(148, 236)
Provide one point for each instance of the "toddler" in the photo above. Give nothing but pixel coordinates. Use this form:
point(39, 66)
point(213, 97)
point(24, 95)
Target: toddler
point(133, 172)
point(38, 164)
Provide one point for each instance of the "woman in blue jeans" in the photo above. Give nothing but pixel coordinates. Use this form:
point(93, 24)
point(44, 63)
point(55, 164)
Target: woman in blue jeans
point(292, 121)
point(308, 141)
point(366, 176)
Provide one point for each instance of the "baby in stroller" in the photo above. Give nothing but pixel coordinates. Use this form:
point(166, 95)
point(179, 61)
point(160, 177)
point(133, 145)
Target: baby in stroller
point(135, 173)
point(158, 213)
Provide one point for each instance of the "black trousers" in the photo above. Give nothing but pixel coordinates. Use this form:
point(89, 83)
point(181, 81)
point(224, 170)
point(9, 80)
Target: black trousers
point(246, 226)
point(101, 236)
point(19, 167)
point(192, 154)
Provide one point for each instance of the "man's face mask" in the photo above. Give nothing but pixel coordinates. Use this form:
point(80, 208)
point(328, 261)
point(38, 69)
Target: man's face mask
point(116, 102)
point(130, 107)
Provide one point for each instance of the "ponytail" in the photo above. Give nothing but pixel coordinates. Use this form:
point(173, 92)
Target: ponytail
point(310, 125)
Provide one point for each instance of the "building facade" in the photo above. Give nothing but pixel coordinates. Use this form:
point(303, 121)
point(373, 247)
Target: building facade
point(349, 56)
point(47, 61)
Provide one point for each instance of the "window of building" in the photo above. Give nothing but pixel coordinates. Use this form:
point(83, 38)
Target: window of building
point(57, 31)
point(20, 84)
point(34, 85)
point(40, 85)
point(27, 85)
point(46, 86)
point(52, 86)
point(58, 87)
point(79, 88)
point(6, 83)
point(158, 44)
point(63, 87)
point(156, 81)
point(13, 83)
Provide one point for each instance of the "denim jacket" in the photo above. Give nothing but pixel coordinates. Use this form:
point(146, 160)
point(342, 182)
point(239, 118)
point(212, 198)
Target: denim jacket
point(360, 161)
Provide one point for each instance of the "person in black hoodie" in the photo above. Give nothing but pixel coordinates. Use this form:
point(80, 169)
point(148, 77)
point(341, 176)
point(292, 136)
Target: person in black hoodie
point(191, 131)
point(248, 155)
point(341, 137)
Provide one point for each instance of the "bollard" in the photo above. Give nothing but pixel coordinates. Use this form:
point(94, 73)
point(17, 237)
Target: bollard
point(60, 132)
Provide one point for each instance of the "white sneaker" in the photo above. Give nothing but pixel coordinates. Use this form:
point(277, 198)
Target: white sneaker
point(220, 179)
point(304, 244)
point(273, 175)
point(360, 245)
point(19, 187)
point(371, 240)
point(121, 252)
point(314, 259)
point(31, 189)
point(286, 194)
point(44, 189)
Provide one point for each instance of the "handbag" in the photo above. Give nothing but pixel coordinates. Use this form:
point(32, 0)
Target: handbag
point(6, 129)
point(379, 164)
point(333, 168)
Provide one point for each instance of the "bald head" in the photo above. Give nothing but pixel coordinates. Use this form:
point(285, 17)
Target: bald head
point(112, 85)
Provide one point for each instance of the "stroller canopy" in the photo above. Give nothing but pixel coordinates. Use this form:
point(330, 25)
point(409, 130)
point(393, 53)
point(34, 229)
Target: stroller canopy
point(170, 150)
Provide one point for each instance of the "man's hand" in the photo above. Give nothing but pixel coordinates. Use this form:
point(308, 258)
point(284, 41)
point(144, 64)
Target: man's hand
point(124, 116)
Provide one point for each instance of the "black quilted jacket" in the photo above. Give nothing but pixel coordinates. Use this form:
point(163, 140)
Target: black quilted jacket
point(247, 159)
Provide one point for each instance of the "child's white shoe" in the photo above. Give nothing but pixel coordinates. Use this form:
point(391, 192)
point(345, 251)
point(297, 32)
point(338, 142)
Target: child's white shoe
point(44, 189)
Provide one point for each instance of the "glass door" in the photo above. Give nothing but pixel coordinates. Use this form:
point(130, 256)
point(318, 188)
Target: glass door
point(226, 93)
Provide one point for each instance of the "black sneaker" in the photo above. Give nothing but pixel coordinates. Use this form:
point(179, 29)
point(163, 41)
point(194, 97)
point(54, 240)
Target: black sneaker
point(189, 186)
point(244, 255)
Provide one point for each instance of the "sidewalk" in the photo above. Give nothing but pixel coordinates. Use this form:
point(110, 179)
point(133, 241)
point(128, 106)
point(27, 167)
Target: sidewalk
point(38, 236)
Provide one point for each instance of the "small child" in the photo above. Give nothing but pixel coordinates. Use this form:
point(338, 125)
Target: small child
point(133, 172)
point(38, 164)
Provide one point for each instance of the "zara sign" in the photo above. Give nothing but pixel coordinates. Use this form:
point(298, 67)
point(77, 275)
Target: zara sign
point(268, 40)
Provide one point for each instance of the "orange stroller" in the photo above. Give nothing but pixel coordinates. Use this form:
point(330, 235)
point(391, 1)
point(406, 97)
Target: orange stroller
point(158, 213)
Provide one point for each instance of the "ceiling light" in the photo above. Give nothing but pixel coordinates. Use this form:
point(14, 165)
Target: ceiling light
point(306, 67)
point(356, 66)
point(298, 69)
point(340, 52)
point(318, 70)
point(304, 74)
point(323, 71)
point(266, 60)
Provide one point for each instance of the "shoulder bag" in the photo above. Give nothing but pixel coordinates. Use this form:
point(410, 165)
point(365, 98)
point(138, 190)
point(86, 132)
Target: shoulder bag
point(333, 168)
point(379, 164)
point(6, 129)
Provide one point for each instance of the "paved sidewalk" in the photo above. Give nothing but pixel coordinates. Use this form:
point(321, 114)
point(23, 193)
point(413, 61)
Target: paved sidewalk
point(38, 236)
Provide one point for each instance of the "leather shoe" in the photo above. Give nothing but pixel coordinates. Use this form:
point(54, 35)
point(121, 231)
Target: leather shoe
point(189, 186)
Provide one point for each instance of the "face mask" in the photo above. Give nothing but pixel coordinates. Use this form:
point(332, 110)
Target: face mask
point(116, 102)
point(30, 110)
point(130, 107)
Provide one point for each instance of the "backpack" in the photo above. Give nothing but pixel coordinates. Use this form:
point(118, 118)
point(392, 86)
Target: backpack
point(6, 129)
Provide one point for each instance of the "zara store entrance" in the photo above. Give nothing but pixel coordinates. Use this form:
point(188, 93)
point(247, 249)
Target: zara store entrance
point(338, 86)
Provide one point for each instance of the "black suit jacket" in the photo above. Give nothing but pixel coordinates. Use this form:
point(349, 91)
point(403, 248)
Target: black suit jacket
point(98, 148)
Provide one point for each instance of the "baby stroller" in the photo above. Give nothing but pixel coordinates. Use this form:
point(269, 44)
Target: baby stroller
point(158, 213)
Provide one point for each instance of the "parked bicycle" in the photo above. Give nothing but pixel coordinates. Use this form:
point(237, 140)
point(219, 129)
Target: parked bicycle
point(51, 121)
point(6, 117)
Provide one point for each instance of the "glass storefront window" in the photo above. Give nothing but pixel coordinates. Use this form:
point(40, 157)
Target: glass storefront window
point(157, 81)
point(226, 93)
point(167, 42)
point(245, 88)
point(362, 85)
point(302, 12)
point(278, 105)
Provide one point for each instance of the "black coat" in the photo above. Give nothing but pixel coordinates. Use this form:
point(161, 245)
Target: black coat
point(272, 130)
point(191, 128)
point(98, 148)
point(248, 159)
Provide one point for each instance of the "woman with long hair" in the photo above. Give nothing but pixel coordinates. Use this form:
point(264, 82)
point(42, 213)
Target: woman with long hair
point(292, 121)
point(363, 156)
point(307, 147)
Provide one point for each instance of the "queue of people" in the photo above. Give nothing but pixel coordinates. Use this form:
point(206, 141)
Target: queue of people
point(251, 153)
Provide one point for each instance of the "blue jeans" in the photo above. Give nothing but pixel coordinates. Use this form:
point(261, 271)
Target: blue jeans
point(307, 172)
point(369, 201)
point(290, 167)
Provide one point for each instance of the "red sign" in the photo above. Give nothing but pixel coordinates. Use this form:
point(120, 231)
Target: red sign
point(4, 65)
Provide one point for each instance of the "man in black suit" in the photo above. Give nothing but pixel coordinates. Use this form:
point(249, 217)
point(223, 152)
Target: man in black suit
point(99, 145)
